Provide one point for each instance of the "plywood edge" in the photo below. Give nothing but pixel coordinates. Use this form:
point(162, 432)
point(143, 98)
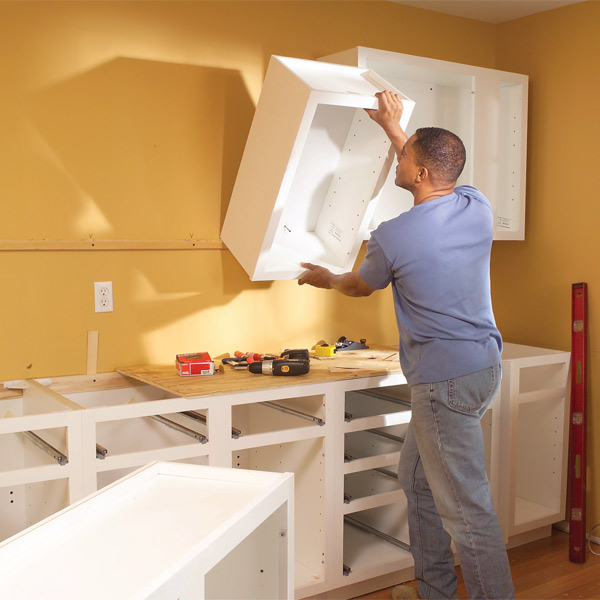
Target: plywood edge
point(148, 375)
point(91, 383)
point(8, 394)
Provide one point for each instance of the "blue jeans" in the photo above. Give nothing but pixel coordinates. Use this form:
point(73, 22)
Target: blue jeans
point(442, 472)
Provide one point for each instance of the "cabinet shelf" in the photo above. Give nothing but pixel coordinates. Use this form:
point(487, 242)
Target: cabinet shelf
point(288, 417)
point(371, 462)
point(369, 556)
point(373, 501)
point(527, 511)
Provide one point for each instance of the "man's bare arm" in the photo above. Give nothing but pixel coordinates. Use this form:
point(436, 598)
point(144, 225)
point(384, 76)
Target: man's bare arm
point(349, 284)
point(388, 115)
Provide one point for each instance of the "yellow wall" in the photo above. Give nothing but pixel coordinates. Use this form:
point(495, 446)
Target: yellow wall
point(128, 120)
point(531, 280)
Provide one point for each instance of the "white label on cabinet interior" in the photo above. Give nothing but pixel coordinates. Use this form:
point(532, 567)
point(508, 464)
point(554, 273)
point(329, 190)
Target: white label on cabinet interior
point(335, 232)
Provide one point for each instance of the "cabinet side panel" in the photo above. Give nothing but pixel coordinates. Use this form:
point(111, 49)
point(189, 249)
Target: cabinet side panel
point(486, 135)
point(13, 499)
point(510, 192)
point(251, 570)
point(305, 459)
point(270, 142)
point(364, 156)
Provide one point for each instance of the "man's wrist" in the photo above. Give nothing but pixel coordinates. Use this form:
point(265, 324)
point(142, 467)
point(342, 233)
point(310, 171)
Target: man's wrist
point(395, 132)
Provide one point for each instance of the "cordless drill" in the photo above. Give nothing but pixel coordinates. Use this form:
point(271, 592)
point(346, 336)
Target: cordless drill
point(291, 362)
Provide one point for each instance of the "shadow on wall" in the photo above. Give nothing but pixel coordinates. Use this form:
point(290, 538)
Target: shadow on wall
point(139, 150)
point(154, 146)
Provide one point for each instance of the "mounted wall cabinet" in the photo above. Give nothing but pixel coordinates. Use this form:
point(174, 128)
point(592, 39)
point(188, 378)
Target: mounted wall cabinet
point(312, 170)
point(486, 108)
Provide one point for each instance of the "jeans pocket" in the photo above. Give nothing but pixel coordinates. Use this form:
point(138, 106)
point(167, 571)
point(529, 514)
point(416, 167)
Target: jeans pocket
point(469, 393)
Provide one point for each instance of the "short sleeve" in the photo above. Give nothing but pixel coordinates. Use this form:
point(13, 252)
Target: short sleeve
point(376, 269)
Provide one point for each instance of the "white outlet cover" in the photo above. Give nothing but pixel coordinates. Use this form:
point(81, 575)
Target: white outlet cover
point(103, 296)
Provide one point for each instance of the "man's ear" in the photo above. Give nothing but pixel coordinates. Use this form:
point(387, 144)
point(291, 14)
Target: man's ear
point(422, 175)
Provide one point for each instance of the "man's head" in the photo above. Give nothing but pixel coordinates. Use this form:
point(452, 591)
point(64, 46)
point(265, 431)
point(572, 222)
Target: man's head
point(432, 155)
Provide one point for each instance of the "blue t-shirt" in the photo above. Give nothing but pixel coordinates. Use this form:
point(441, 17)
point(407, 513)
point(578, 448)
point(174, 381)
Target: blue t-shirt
point(437, 256)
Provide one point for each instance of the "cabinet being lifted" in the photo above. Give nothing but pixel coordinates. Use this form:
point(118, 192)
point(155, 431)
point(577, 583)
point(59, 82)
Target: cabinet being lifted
point(312, 170)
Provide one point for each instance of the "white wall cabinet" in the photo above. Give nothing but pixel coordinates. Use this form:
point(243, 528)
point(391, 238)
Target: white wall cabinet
point(168, 531)
point(311, 172)
point(486, 108)
point(339, 431)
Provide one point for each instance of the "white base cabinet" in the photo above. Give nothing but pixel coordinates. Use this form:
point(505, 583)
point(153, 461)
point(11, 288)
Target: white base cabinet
point(534, 401)
point(340, 436)
point(167, 531)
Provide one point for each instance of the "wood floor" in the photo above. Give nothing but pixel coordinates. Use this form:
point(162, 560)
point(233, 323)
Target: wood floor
point(541, 570)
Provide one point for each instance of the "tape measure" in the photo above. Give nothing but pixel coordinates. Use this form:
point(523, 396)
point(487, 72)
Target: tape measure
point(325, 350)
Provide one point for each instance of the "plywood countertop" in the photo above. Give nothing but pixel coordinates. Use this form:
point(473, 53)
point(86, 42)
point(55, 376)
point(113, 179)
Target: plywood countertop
point(348, 364)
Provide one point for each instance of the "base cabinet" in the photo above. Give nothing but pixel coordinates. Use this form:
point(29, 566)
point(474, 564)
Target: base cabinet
point(167, 531)
point(534, 401)
point(341, 438)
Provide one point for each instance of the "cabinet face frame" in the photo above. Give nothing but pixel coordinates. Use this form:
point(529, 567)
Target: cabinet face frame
point(312, 169)
point(486, 108)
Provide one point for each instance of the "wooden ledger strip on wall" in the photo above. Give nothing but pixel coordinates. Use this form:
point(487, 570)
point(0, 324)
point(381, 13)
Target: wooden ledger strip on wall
point(100, 244)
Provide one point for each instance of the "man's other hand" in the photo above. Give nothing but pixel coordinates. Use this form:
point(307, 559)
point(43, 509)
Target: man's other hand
point(349, 284)
point(316, 276)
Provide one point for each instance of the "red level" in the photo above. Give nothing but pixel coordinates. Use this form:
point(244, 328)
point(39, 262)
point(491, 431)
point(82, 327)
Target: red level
point(577, 438)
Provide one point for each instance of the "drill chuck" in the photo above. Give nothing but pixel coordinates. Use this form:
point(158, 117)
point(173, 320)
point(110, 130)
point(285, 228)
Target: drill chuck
point(280, 366)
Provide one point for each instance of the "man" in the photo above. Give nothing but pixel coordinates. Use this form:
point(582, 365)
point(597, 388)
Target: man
point(437, 256)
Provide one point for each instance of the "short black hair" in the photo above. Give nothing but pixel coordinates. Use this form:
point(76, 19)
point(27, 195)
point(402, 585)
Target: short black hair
point(441, 152)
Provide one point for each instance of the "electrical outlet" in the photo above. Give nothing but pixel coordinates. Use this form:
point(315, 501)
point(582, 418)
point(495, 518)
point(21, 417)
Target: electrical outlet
point(103, 296)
